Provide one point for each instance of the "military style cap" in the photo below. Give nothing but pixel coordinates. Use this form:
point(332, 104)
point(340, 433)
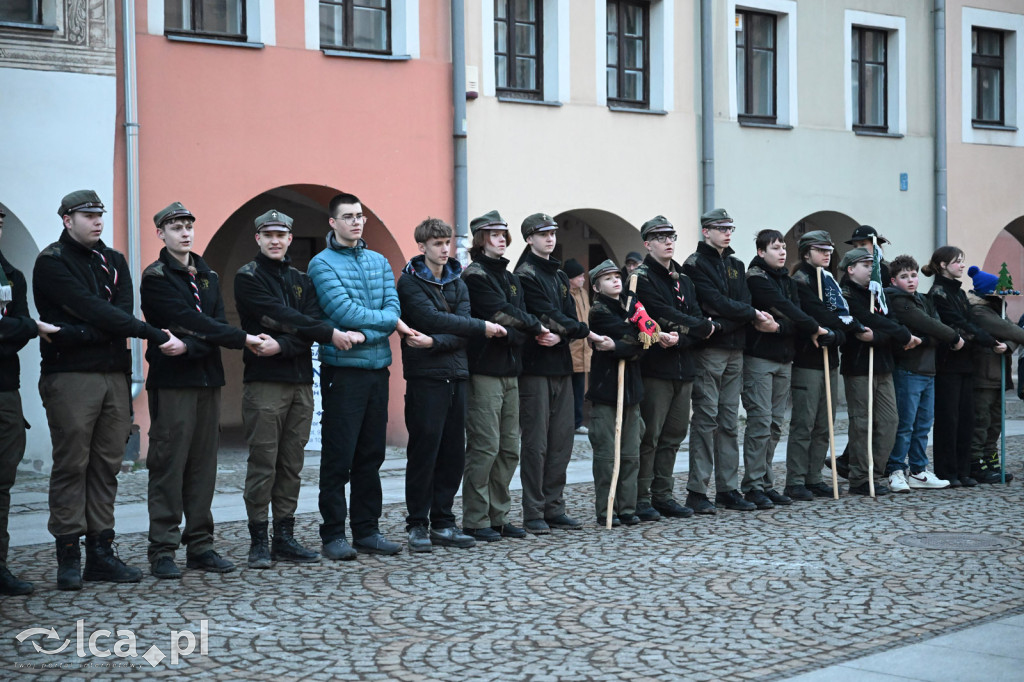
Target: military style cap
point(819, 238)
point(538, 222)
point(83, 201)
point(854, 256)
point(491, 220)
point(175, 210)
point(634, 256)
point(716, 217)
point(605, 267)
point(274, 219)
point(656, 224)
point(866, 232)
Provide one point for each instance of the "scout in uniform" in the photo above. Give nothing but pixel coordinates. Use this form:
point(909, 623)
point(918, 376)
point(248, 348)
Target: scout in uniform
point(492, 396)
point(16, 329)
point(668, 369)
point(83, 292)
point(278, 301)
point(180, 292)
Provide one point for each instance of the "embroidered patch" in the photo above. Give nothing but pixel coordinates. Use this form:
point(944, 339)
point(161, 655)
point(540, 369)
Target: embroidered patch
point(734, 273)
point(298, 290)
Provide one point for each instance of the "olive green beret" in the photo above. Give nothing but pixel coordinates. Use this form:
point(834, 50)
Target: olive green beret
point(491, 220)
point(175, 210)
point(83, 201)
point(656, 224)
point(276, 219)
point(603, 268)
point(716, 217)
point(854, 256)
point(819, 238)
point(538, 222)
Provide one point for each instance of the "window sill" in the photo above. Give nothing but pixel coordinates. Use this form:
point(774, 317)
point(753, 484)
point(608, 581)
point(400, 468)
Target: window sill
point(30, 27)
point(764, 124)
point(990, 126)
point(631, 110)
point(330, 52)
point(524, 100)
point(213, 41)
point(877, 133)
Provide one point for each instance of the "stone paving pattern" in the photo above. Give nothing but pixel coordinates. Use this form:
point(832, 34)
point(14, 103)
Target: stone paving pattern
point(760, 595)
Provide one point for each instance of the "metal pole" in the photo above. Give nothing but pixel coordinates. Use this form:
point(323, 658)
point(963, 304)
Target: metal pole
point(941, 198)
point(707, 106)
point(459, 131)
point(131, 129)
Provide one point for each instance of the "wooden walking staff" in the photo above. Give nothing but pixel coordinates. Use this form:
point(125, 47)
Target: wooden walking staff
point(828, 404)
point(648, 334)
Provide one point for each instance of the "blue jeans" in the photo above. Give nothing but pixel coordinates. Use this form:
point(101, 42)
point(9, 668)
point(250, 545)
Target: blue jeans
point(915, 402)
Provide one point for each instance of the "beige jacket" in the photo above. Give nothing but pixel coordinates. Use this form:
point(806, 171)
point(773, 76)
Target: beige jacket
point(581, 350)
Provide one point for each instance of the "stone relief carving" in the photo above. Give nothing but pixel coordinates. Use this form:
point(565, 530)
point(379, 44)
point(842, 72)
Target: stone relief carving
point(83, 41)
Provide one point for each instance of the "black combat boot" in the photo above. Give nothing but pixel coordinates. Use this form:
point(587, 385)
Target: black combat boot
point(286, 548)
point(101, 562)
point(69, 563)
point(11, 584)
point(259, 549)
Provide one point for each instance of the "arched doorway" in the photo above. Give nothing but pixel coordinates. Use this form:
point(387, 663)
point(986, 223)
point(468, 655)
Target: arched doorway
point(234, 245)
point(837, 224)
point(591, 235)
point(1007, 247)
point(20, 249)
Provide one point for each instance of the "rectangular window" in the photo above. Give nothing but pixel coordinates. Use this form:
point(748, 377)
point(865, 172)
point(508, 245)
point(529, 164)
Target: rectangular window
point(518, 47)
point(224, 19)
point(756, 71)
point(987, 63)
point(869, 78)
point(358, 25)
point(628, 49)
point(22, 11)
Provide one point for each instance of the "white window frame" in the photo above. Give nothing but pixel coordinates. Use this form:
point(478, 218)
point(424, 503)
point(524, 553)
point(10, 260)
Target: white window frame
point(662, 54)
point(555, 62)
point(785, 56)
point(48, 18)
point(1013, 61)
point(260, 25)
point(896, 65)
point(405, 31)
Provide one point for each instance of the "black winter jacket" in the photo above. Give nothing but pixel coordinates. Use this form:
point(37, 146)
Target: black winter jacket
point(671, 301)
point(16, 327)
point(885, 332)
point(951, 303)
point(771, 289)
point(439, 309)
point(496, 295)
point(610, 318)
point(917, 313)
point(723, 294)
point(546, 290)
point(70, 286)
point(169, 303)
point(809, 356)
point(274, 298)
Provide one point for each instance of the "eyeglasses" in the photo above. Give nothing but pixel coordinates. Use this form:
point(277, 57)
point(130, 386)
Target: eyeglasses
point(724, 229)
point(353, 219)
point(663, 237)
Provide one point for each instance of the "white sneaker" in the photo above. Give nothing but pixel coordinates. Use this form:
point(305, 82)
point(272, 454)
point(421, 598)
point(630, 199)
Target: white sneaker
point(898, 482)
point(583, 430)
point(926, 480)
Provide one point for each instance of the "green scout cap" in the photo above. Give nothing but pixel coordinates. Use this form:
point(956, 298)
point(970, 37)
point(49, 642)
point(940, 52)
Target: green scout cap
point(656, 224)
point(603, 268)
point(716, 217)
point(819, 238)
point(538, 222)
point(83, 200)
point(854, 256)
point(491, 220)
point(274, 219)
point(175, 210)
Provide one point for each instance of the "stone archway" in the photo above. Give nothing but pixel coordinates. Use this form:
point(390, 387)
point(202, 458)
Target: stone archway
point(590, 235)
point(1007, 247)
point(837, 224)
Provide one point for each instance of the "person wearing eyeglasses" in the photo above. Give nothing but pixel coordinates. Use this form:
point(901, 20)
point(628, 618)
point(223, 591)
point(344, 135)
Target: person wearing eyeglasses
point(668, 368)
point(356, 290)
point(721, 283)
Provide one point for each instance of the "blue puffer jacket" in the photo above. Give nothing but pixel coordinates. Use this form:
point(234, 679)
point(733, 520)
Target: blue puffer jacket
point(356, 291)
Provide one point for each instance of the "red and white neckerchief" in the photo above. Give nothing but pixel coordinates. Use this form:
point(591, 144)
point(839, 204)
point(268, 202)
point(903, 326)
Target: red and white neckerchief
point(195, 287)
point(106, 269)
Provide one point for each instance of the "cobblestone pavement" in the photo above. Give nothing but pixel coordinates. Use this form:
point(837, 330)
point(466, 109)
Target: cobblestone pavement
point(762, 595)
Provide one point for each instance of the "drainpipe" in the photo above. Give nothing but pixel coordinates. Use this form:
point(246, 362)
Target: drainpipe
point(707, 106)
point(131, 129)
point(459, 127)
point(941, 198)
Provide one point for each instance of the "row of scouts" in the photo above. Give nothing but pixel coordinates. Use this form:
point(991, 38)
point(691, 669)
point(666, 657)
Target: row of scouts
point(488, 375)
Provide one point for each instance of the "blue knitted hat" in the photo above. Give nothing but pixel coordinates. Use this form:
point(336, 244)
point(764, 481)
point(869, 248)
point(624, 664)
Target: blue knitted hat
point(984, 282)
